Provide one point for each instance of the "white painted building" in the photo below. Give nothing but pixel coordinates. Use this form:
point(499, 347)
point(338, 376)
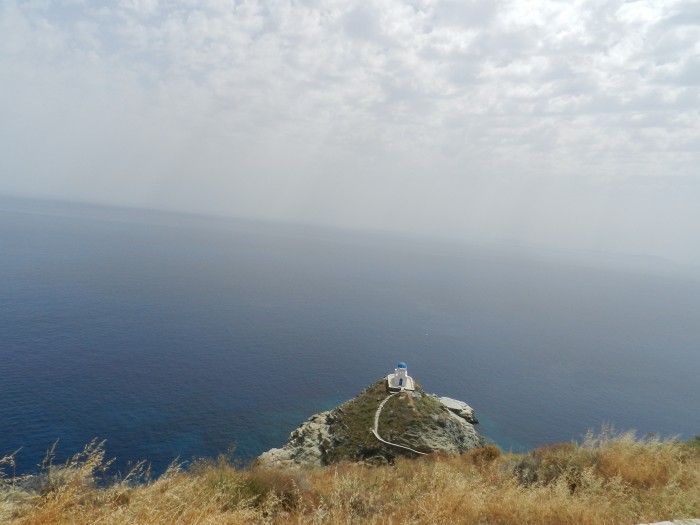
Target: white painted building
point(400, 380)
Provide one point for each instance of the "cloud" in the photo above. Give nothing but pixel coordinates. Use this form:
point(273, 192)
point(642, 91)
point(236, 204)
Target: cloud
point(465, 118)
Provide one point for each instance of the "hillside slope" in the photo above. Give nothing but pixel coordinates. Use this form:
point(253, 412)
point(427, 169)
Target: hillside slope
point(417, 422)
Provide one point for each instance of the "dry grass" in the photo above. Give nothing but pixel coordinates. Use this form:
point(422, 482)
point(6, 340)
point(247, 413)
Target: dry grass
point(609, 479)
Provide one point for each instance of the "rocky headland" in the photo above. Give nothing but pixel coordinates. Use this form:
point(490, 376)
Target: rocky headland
point(410, 423)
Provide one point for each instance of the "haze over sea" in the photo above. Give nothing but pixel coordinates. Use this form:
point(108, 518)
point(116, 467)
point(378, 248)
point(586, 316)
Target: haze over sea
point(179, 335)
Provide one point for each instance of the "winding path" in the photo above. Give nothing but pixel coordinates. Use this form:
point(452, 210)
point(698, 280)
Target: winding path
point(376, 428)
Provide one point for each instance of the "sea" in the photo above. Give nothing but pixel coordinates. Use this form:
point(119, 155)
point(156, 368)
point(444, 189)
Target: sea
point(176, 336)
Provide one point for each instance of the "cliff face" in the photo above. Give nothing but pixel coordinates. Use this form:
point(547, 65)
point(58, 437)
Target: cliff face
point(420, 422)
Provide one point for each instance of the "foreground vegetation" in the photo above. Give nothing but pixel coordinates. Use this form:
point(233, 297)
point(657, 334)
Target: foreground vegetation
point(608, 479)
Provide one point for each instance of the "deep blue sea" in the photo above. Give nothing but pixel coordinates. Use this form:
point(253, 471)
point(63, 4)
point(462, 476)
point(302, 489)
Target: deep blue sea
point(181, 336)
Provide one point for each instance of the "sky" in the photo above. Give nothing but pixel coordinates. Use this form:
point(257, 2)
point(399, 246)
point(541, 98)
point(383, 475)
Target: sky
point(573, 124)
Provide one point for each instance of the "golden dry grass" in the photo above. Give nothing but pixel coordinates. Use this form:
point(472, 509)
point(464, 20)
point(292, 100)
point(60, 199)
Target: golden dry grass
point(606, 480)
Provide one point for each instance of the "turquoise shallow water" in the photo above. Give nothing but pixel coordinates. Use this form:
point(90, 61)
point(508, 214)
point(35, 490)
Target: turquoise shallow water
point(179, 336)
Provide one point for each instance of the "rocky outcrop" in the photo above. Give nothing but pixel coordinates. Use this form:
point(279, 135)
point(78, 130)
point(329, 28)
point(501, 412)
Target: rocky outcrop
point(309, 444)
point(460, 408)
point(447, 433)
point(422, 422)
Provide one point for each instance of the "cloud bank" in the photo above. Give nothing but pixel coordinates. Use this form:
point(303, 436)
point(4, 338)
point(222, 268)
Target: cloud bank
point(572, 123)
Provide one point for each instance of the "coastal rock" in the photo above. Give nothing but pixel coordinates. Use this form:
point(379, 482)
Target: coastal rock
point(409, 423)
point(307, 444)
point(460, 408)
point(449, 433)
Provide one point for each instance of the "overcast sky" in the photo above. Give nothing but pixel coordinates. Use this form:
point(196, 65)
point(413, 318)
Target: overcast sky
point(572, 123)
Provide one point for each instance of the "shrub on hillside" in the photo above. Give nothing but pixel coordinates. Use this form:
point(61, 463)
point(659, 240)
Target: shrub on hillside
point(286, 486)
point(550, 464)
point(483, 455)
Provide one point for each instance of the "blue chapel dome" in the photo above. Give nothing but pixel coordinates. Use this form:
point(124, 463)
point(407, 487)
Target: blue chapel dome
point(401, 365)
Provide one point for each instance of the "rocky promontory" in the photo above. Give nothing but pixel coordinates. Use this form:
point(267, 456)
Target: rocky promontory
point(410, 423)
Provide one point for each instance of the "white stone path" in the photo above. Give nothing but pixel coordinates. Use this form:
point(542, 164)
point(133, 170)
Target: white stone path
point(376, 428)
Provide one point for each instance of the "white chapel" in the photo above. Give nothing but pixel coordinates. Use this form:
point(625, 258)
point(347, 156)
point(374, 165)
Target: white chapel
point(400, 380)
